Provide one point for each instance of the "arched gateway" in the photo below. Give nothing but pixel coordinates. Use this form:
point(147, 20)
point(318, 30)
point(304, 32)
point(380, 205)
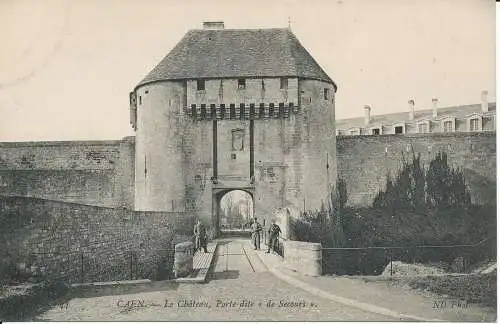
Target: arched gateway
point(234, 110)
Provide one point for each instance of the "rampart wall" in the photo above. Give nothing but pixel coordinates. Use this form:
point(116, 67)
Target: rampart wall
point(365, 161)
point(97, 173)
point(102, 173)
point(81, 243)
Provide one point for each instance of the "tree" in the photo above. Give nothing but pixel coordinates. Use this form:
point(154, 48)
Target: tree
point(324, 225)
point(415, 189)
point(341, 193)
point(446, 186)
point(232, 209)
point(385, 200)
point(407, 191)
point(227, 204)
point(424, 206)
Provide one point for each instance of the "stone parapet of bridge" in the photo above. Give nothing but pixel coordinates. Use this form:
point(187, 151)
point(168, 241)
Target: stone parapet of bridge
point(303, 257)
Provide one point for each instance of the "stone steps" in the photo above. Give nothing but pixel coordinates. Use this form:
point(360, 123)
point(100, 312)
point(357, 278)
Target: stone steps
point(201, 266)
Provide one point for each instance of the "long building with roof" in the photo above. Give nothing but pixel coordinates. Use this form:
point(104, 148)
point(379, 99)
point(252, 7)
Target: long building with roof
point(466, 118)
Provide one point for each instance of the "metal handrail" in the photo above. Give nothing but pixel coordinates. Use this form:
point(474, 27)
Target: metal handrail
point(408, 247)
point(408, 253)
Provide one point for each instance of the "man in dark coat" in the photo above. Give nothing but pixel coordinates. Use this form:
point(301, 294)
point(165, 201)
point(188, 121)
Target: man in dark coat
point(274, 233)
point(256, 229)
point(200, 235)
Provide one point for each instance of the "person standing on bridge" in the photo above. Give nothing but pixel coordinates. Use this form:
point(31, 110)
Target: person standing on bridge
point(256, 229)
point(200, 235)
point(274, 233)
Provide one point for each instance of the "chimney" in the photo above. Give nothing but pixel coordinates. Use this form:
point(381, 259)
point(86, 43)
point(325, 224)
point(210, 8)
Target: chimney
point(434, 107)
point(367, 114)
point(411, 102)
point(484, 101)
point(213, 25)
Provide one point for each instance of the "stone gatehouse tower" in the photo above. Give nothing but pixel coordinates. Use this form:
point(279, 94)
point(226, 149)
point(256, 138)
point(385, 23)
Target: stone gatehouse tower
point(234, 109)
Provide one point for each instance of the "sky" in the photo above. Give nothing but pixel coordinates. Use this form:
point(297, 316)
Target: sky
point(67, 66)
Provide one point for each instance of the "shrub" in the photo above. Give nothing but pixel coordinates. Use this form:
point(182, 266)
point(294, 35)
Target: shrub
point(419, 206)
point(445, 185)
point(36, 300)
point(480, 289)
point(406, 191)
point(429, 206)
point(417, 189)
point(323, 225)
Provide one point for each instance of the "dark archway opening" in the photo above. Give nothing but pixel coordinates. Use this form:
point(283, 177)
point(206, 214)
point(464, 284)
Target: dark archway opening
point(235, 210)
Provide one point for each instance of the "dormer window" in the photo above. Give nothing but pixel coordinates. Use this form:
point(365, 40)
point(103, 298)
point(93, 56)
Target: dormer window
point(399, 128)
point(448, 124)
point(200, 85)
point(423, 127)
point(474, 125)
point(241, 84)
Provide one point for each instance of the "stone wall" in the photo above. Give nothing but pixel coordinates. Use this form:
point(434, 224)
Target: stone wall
point(319, 161)
point(159, 184)
point(256, 91)
point(365, 161)
point(104, 244)
point(90, 172)
point(290, 169)
point(303, 257)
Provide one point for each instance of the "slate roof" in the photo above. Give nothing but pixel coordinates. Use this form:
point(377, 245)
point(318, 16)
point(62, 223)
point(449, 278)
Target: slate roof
point(231, 53)
point(459, 112)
